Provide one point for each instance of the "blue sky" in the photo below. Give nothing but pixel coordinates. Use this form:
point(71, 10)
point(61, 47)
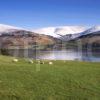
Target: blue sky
point(45, 13)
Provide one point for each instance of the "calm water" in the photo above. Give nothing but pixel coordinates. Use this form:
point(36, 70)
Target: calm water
point(69, 54)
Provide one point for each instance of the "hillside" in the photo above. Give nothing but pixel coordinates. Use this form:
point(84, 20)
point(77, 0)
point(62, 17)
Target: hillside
point(12, 37)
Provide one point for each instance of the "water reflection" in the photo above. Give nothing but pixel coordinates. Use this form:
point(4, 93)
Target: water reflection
point(68, 54)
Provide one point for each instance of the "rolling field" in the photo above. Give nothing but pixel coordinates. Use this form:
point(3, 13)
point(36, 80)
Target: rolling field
point(63, 80)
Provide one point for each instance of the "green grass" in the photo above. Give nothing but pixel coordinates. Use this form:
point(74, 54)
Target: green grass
point(70, 80)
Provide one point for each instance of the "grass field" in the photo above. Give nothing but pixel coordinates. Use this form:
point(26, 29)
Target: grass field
point(70, 80)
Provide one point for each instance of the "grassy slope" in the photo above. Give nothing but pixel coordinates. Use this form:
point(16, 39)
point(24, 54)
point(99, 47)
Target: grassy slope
point(60, 81)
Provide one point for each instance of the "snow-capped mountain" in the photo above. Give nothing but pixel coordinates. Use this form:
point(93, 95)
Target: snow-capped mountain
point(92, 30)
point(11, 37)
point(60, 31)
point(8, 28)
point(63, 32)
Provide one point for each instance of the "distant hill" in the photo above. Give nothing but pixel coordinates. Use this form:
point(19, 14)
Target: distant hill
point(11, 37)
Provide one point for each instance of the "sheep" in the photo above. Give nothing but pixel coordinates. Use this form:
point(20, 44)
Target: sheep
point(31, 61)
point(40, 62)
point(15, 60)
point(50, 63)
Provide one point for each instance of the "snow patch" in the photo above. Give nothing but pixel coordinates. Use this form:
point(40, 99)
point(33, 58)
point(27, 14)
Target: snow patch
point(7, 28)
point(92, 30)
point(60, 31)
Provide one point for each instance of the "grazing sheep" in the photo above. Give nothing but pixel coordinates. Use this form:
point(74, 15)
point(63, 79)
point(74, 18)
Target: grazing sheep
point(40, 62)
point(31, 61)
point(50, 63)
point(15, 60)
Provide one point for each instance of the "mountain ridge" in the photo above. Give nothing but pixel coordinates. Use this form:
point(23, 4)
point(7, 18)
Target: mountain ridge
point(61, 32)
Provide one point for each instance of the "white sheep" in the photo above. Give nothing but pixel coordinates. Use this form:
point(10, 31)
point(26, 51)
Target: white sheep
point(31, 61)
point(50, 63)
point(40, 62)
point(15, 60)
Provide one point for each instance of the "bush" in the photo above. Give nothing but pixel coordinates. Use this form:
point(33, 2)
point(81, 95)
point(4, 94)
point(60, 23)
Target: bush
point(4, 51)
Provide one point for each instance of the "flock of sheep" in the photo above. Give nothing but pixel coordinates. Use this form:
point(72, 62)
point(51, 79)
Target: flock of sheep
point(31, 61)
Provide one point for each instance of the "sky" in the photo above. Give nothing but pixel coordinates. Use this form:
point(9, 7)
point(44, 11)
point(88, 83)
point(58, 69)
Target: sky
point(32, 14)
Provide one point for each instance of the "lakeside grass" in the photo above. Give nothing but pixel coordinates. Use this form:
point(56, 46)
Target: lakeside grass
point(70, 80)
